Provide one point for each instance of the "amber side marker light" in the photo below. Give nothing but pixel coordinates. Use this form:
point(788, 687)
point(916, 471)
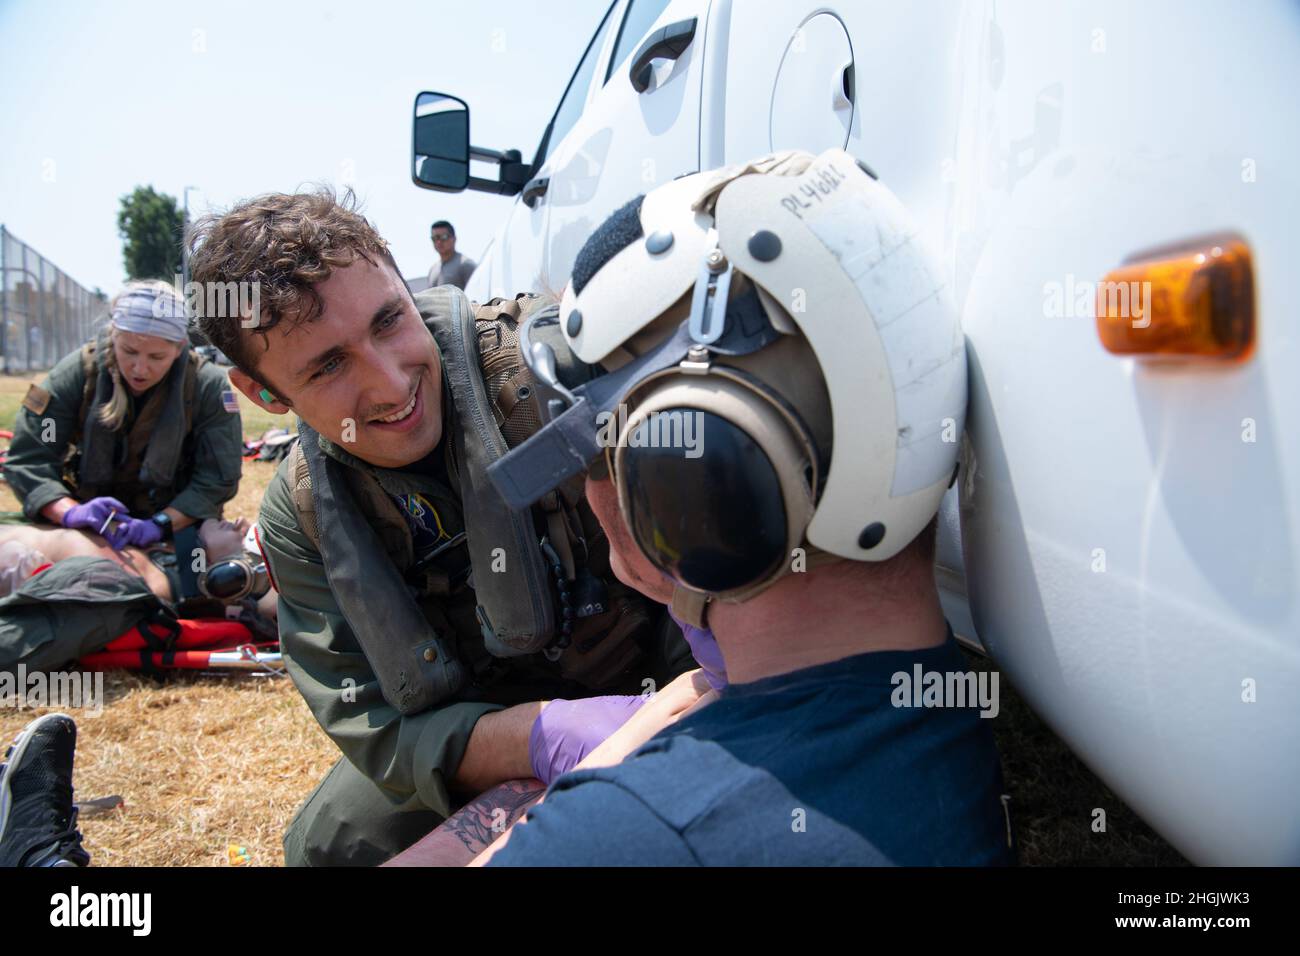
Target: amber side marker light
point(1193, 300)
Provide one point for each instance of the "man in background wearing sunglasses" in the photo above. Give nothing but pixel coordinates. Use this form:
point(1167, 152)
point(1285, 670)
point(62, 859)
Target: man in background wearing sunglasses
point(451, 268)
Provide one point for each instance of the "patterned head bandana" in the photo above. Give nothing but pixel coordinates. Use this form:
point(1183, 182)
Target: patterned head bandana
point(151, 312)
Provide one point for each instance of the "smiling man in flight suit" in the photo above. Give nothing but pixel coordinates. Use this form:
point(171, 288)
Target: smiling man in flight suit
point(403, 581)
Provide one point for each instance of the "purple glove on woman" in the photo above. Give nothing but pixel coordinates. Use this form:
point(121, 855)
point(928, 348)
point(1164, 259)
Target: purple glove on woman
point(133, 531)
point(93, 513)
point(124, 529)
point(706, 651)
point(567, 730)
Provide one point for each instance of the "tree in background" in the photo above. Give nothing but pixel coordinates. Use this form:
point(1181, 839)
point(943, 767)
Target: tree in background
point(151, 225)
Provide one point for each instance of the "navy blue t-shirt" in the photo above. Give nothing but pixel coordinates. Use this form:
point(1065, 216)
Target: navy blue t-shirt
point(813, 767)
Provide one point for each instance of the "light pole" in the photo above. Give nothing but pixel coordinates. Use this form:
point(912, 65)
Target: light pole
point(185, 260)
point(185, 246)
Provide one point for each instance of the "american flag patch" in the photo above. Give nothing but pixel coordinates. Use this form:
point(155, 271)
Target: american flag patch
point(228, 400)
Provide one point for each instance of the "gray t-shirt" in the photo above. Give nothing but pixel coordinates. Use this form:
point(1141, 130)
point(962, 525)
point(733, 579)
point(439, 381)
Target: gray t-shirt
point(455, 271)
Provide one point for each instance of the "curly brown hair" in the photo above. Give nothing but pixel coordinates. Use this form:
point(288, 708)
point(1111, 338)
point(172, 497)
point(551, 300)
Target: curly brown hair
point(285, 243)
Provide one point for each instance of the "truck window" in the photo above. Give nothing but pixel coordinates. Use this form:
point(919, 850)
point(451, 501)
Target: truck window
point(641, 14)
point(575, 95)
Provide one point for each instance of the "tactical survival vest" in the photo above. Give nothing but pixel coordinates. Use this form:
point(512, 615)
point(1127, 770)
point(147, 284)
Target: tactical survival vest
point(560, 597)
point(127, 486)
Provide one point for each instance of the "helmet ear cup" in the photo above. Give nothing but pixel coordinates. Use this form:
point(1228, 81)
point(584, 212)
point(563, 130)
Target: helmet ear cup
point(713, 523)
point(228, 580)
point(721, 510)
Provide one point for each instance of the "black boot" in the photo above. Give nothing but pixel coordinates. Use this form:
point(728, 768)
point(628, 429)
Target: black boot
point(38, 823)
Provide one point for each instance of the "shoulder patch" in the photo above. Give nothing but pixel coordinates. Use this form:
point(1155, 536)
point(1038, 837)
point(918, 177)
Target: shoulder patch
point(228, 400)
point(36, 400)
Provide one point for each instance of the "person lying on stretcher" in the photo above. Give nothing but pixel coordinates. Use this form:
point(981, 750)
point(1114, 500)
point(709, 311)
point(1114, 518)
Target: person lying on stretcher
point(228, 571)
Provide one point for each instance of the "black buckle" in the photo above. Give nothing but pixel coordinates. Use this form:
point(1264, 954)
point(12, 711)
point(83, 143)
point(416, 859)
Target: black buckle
point(454, 571)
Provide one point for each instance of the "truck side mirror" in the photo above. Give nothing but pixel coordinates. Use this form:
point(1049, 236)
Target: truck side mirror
point(441, 152)
point(440, 142)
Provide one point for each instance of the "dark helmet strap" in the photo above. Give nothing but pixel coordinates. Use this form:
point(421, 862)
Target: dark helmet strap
point(691, 607)
point(568, 443)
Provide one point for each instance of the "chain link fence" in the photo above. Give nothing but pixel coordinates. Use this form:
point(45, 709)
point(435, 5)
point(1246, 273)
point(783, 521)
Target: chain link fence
point(44, 315)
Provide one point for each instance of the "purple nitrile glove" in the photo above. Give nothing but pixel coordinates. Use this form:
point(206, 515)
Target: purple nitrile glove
point(92, 514)
point(567, 730)
point(133, 531)
point(706, 652)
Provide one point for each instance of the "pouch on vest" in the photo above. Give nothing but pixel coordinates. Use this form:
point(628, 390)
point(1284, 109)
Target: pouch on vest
point(414, 665)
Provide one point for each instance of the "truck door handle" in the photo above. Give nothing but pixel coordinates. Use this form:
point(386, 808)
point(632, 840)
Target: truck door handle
point(535, 190)
point(667, 43)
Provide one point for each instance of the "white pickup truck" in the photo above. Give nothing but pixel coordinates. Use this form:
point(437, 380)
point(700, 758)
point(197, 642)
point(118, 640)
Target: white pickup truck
point(1123, 541)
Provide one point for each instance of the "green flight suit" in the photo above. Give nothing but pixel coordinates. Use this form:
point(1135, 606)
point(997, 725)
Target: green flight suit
point(207, 473)
point(391, 786)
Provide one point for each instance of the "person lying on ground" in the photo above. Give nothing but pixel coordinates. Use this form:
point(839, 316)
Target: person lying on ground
point(24, 548)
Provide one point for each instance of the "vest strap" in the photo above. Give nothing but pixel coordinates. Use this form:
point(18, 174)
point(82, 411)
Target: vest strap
point(516, 610)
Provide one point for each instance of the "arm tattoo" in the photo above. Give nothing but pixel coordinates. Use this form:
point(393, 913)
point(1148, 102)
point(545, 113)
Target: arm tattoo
point(490, 814)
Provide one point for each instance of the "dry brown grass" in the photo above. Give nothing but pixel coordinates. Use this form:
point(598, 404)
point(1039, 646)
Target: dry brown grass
point(200, 763)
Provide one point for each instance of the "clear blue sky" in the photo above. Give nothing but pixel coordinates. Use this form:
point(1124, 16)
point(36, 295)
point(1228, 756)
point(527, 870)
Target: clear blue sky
point(240, 98)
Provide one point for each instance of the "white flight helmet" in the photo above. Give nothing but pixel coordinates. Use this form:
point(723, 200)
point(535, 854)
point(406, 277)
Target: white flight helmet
point(783, 366)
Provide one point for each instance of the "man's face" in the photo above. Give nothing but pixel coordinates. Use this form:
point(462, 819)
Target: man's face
point(223, 539)
point(444, 242)
point(365, 373)
point(625, 559)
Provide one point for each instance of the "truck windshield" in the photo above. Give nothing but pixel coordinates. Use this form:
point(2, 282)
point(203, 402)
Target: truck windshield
point(575, 95)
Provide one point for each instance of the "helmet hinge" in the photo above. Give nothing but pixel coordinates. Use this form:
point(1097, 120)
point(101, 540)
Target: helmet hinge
point(697, 361)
